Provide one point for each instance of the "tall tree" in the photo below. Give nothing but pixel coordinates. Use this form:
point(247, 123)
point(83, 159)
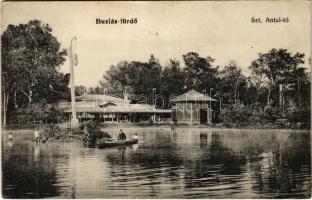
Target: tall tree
point(200, 72)
point(232, 82)
point(115, 79)
point(30, 60)
point(299, 90)
point(172, 79)
point(277, 66)
point(137, 77)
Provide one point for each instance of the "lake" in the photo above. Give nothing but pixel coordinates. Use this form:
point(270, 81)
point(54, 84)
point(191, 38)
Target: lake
point(166, 163)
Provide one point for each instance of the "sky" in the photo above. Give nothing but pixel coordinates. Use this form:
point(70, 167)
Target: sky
point(222, 30)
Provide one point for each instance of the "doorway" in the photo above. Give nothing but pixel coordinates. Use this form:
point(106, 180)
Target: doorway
point(203, 116)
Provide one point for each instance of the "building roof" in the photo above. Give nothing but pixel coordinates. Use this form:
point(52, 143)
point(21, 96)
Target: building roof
point(100, 98)
point(192, 95)
point(136, 108)
point(130, 108)
point(84, 109)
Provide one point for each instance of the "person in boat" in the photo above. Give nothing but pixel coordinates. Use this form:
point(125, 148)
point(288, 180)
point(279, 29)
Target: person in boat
point(121, 136)
point(135, 136)
point(36, 136)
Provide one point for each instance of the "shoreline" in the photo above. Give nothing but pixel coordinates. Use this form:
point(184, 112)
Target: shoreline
point(148, 126)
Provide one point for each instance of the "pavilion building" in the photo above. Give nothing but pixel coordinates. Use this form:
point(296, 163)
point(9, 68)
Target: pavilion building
point(192, 107)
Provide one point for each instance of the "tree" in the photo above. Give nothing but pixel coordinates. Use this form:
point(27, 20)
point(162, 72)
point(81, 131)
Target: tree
point(80, 90)
point(31, 57)
point(299, 90)
point(138, 77)
point(277, 66)
point(232, 82)
point(115, 78)
point(172, 79)
point(95, 90)
point(200, 72)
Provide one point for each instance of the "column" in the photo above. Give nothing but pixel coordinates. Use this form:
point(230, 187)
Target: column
point(191, 113)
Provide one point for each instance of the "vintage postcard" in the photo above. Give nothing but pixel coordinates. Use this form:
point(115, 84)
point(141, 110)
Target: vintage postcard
point(156, 99)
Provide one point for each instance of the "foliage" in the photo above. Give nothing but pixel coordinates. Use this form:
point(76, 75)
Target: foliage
point(55, 132)
point(30, 60)
point(95, 90)
point(255, 114)
point(93, 129)
point(301, 116)
point(173, 80)
point(271, 114)
point(138, 77)
point(80, 90)
point(200, 72)
point(236, 115)
point(278, 67)
point(39, 112)
point(232, 84)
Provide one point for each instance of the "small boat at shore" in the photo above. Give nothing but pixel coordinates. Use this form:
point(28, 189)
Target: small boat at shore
point(112, 143)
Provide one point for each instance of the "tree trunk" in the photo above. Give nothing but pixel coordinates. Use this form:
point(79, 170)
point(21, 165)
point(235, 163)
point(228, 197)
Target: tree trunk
point(299, 94)
point(235, 92)
point(15, 103)
point(29, 98)
point(269, 94)
point(4, 108)
point(272, 84)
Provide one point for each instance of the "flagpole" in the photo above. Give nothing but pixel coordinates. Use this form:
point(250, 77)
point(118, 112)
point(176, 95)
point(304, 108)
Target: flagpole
point(74, 122)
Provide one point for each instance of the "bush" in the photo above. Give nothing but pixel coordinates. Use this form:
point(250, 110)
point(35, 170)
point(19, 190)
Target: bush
point(299, 116)
point(93, 130)
point(251, 115)
point(238, 115)
point(59, 133)
point(267, 117)
point(271, 114)
point(40, 112)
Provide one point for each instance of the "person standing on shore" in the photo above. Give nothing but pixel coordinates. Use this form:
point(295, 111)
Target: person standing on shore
point(36, 135)
point(10, 136)
point(86, 132)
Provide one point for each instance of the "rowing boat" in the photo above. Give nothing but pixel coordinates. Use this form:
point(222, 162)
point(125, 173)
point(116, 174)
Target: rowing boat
point(106, 144)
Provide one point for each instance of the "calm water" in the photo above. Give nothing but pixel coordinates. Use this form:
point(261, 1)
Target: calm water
point(179, 163)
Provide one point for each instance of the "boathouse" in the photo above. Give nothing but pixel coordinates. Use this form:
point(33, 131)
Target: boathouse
point(109, 109)
point(192, 107)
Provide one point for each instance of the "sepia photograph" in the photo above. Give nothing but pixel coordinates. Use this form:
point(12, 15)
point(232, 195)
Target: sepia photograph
point(156, 100)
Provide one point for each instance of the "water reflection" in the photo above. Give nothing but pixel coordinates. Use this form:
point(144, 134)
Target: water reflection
point(166, 163)
point(26, 176)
